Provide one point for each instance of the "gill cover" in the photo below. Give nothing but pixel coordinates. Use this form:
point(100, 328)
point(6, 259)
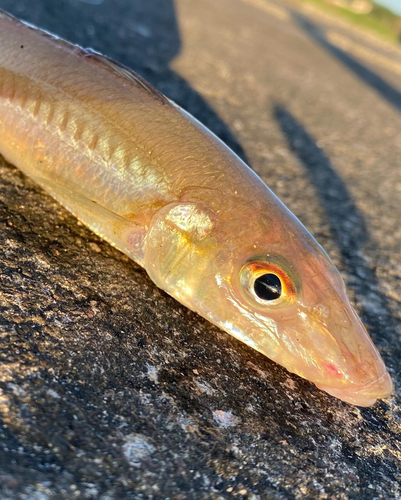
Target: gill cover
point(178, 248)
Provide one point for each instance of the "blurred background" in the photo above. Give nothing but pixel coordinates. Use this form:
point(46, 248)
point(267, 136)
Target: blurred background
point(108, 387)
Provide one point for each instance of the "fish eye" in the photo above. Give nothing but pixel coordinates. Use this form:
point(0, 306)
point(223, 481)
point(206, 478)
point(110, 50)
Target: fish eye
point(267, 287)
point(267, 283)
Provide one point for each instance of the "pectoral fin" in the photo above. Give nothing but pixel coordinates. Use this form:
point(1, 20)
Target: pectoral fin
point(122, 232)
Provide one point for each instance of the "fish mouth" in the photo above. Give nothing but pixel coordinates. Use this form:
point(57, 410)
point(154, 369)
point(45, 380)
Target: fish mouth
point(365, 395)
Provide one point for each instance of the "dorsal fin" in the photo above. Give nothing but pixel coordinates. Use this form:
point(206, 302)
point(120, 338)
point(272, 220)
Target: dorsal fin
point(104, 61)
point(122, 70)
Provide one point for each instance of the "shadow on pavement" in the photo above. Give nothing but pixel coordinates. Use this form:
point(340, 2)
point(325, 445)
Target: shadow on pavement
point(162, 44)
point(369, 77)
point(143, 35)
point(347, 224)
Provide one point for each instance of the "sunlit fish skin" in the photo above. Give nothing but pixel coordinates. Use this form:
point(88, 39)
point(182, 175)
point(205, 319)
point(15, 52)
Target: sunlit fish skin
point(151, 180)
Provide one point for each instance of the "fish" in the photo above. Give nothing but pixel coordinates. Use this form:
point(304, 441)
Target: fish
point(150, 179)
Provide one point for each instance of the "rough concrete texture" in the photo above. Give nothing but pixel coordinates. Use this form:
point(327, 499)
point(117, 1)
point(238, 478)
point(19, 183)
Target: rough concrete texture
point(109, 388)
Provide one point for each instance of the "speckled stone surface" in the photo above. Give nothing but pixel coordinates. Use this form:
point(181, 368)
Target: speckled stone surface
point(110, 389)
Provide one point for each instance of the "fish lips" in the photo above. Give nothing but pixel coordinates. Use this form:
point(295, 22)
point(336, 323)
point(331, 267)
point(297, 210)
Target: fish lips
point(365, 395)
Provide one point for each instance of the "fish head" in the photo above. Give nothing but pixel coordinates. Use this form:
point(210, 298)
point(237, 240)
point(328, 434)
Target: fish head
point(298, 314)
point(302, 318)
point(273, 288)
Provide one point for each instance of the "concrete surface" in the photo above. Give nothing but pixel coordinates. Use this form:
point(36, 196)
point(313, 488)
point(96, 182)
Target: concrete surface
point(109, 389)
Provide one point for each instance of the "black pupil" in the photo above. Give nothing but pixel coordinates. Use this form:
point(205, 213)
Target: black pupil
point(268, 287)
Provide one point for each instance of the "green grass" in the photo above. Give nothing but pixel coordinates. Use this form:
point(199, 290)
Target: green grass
point(380, 20)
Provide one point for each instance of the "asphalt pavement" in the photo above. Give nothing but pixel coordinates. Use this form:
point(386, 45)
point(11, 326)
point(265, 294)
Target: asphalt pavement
point(109, 388)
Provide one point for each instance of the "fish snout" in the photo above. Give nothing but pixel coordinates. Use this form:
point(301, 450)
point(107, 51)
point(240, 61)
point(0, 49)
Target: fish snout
point(338, 354)
point(365, 395)
point(364, 377)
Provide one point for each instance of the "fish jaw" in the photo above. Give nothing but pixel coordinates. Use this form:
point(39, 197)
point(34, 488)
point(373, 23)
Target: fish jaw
point(351, 368)
point(356, 373)
point(366, 395)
